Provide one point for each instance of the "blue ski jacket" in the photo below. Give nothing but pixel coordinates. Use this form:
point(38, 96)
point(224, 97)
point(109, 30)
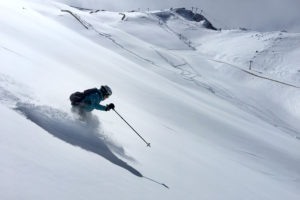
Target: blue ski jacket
point(92, 102)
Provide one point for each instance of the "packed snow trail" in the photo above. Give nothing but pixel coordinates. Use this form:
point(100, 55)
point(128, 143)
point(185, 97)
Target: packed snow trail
point(253, 74)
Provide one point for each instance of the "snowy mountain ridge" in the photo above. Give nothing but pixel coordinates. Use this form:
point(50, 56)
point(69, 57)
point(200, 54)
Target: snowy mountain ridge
point(220, 107)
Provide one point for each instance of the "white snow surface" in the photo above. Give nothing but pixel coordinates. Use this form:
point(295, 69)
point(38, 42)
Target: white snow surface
point(218, 130)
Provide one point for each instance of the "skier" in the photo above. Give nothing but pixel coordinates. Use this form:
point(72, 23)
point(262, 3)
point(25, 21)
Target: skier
point(90, 99)
point(84, 102)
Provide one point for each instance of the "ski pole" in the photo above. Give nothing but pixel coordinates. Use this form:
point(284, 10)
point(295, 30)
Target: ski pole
point(148, 144)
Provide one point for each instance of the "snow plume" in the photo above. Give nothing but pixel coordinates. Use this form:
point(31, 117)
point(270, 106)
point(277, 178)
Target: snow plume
point(85, 134)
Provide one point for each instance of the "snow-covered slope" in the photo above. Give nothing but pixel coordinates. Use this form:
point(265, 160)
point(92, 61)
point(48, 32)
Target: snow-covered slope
point(218, 130)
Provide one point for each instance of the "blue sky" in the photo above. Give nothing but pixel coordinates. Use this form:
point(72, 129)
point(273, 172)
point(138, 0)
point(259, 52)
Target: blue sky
point(262, 15)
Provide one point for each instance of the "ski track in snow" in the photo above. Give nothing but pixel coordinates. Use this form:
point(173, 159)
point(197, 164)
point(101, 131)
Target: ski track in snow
point(11, 51)
point(180, 36)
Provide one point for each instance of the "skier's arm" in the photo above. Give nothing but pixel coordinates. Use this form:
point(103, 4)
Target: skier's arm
point(100, 107)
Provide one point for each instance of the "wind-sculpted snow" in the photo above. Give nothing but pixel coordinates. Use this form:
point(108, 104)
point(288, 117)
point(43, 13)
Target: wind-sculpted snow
point(85, 134)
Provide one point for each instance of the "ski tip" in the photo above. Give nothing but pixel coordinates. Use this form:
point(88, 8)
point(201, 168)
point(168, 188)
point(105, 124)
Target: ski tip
point(148, 145)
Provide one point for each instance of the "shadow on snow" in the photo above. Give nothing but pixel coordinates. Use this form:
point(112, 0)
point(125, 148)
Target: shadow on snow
point(78, 133)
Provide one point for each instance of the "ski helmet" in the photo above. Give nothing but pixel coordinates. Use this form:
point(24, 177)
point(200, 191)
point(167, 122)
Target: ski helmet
point(106, 90)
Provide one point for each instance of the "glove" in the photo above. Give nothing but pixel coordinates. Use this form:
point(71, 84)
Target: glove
point(110, 106)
